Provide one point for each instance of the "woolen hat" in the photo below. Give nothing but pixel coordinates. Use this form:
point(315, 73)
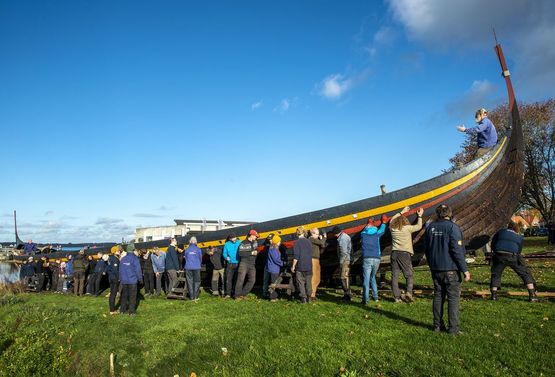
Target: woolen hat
point(130, 247)
point(336, 230)
point(276, 239)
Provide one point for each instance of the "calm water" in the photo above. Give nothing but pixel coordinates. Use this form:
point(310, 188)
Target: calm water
point(9, 273)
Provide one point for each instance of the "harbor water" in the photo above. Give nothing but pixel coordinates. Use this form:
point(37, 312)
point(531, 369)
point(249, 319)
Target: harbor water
point(9, 272)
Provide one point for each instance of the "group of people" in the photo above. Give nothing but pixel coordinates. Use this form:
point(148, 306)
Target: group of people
point(234, 266)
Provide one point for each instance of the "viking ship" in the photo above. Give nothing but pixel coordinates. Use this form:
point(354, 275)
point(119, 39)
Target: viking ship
point(483, 195)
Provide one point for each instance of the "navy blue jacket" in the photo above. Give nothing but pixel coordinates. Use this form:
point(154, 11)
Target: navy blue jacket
point(172, 263)
point(130, 270)
point(507, 240)
point(100, 267)
point(26, 270)
point(302, 252)
point(370, 237)
point(444, 246)
point(113, 268)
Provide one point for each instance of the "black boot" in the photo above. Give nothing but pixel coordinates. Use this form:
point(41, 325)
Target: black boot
point(494, 295)
point(532, 297)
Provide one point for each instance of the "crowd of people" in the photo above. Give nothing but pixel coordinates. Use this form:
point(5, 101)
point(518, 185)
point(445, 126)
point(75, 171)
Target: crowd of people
point(233, 267)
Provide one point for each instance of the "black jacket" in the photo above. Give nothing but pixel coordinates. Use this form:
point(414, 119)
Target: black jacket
point(444, 246)
point(217, 260)
point(146, 265)
point(245, 252)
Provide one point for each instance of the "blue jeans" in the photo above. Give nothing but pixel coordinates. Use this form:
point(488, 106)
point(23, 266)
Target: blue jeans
point(369, 269)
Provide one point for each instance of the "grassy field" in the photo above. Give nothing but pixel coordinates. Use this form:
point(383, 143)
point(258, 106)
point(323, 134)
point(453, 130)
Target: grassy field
point(49, 334)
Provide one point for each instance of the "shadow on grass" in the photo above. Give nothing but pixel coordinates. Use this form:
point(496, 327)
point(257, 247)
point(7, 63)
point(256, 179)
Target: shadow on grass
point(326, 296)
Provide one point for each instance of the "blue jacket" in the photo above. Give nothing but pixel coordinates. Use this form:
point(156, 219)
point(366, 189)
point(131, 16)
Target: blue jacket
point(172, 263)
point(100, 267)
point(26, 270)
point(444, 246)
point(158, 262)
point(274, 261)
point(130, 270)
point(485, 133)
point(230, 250)
point(193, 257)
point(507, 240)
point(112, 270)
point(69, 268)
point(29, 248)
point(370, 237)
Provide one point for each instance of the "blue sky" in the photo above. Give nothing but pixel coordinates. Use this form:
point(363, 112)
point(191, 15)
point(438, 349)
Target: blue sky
point(120, 114)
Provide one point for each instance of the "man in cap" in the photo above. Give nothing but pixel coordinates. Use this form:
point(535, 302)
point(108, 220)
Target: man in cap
point(345, 256)
point(112, 270)
point(231, 256)
point(302, 265)
point(130, 275)
point(248, 249)
point(371, 256)
point(172, 264)
point(79, 273)
point(445, 255)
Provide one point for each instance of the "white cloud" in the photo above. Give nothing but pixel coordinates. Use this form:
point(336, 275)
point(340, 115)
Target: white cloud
point(107, 221)
point(526, 27)
point(385, 35)
point(256, 105)
point(147, 215)
point(335, 86)
point(165, 208)
point(285, 104)
point(480, 94)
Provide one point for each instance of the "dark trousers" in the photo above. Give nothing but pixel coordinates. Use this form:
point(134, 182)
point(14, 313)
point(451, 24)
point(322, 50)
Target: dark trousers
point(78, 283)
point(149, 283)
point(514, 261)
point(54, 286)
point(304, 282)
point(97, 279)
point(272, 279)
point(128, 298)
point(248, 271)
point(401, 262)
point(447, 284)
point(114, 288)
point(90, 283)
point(40, 282)
point(230, 278)
point(193, 283)
point(217, 276)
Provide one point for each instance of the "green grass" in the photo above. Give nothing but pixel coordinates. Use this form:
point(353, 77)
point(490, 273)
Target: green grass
point(49, 334)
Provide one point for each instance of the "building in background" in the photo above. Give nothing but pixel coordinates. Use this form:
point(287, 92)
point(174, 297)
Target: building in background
point(183, 227)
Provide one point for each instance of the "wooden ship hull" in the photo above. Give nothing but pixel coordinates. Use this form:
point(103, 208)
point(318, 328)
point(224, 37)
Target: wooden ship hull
point(483, 194)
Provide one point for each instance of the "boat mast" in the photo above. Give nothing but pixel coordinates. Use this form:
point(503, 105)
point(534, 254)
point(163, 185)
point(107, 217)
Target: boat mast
point(17, 239)
point(505, 73)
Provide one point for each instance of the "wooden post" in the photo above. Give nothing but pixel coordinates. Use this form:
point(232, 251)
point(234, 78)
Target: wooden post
point(112, 371)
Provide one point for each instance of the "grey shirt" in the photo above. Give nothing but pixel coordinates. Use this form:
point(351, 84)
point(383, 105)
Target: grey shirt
point(344, 248)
